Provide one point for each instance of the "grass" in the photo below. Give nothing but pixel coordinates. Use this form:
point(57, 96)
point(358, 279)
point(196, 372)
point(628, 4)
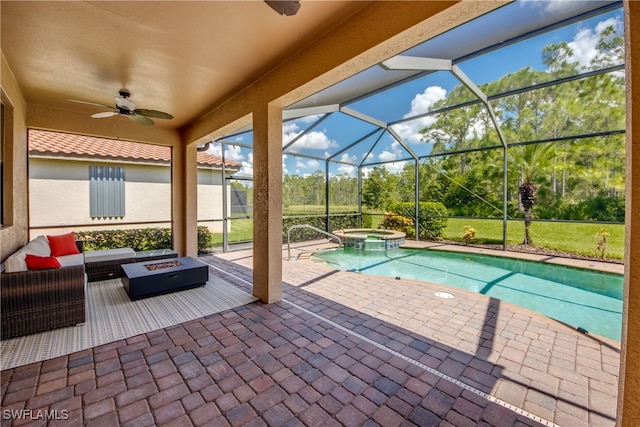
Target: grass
point(563, 236)
point(241, 231)
point(317, 209)
point(567, 237)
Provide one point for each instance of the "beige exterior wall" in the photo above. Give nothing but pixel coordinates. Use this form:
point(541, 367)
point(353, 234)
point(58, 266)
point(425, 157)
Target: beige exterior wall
point(210, 200)
point(59, 197)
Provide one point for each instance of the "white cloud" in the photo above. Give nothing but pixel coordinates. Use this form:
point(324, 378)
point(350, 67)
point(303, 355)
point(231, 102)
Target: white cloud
point(395, 167)
point(347, 158)
point(387, 156)
point(585, 42)
point(394, 152)
point(420, 104)
point(410, 131)
point(289, 132)
point(584, 46)
point(215, 149)
point(310, 163)
point(232, 152)
point(314, 140)
point(347, 169)
point(247, 166)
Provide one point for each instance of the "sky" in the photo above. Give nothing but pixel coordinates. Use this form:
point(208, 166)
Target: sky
point(338, 131)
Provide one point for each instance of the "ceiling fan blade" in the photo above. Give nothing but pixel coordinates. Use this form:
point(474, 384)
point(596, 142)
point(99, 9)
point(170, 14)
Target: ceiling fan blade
point(153, 113)
point(104, 114)
point(140, 119)
point(91, 103)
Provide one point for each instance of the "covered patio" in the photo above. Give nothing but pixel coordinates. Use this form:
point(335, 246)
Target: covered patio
point(340, 348)
point(310, 352)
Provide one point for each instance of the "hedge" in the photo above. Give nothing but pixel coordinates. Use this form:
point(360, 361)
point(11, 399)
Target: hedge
point(431, 225)
point(138, 239)
point(336, 222)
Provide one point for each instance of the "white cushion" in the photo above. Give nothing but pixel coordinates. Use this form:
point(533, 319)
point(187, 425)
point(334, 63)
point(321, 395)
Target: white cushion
point(16, 262)
point(70, 260)
point(38, 246)
point(108, 255)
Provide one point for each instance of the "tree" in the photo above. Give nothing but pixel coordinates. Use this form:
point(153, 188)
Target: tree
point(455, 129)
point(531, 160)
point(379, 189)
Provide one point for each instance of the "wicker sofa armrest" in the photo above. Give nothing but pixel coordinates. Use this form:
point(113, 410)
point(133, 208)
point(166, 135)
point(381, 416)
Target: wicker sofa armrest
point(41, 300)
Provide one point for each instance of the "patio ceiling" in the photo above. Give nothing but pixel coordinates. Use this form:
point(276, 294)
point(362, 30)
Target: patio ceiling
point(180, 57)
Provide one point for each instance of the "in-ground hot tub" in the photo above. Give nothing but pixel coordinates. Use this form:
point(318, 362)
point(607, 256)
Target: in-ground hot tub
point(371, 239)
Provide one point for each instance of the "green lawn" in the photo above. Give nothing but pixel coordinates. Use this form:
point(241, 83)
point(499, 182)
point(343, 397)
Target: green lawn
point(567, 237)
point(564, 236)
point(317, 209)
point(241, 231)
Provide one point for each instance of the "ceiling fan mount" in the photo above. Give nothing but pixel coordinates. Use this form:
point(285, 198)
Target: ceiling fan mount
point(126, 107)
point(284, 7)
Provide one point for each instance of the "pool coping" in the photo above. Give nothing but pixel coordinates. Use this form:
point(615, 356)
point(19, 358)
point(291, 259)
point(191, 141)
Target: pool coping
point(604, 266)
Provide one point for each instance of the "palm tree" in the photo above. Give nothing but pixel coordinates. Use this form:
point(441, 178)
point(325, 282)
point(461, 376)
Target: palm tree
point(531, 160)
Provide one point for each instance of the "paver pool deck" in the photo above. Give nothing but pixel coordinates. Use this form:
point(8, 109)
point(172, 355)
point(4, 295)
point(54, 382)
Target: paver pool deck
point(341, 348)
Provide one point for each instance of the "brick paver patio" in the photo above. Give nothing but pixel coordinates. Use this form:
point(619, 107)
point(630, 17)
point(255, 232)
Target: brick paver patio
point(340, 349)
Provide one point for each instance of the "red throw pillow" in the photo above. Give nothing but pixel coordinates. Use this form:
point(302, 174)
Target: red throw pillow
point(35, 262)
point(64, 244)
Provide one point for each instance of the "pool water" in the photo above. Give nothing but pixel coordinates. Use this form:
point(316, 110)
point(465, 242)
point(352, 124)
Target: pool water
point(586, 299)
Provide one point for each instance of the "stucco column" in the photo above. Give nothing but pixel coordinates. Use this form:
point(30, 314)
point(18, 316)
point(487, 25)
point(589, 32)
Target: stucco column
point(190, 199)
point(185, 200)
point(267, 203)
point(628, 403)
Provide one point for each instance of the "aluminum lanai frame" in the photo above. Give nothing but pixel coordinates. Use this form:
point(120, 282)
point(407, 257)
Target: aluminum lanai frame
point(418, 67)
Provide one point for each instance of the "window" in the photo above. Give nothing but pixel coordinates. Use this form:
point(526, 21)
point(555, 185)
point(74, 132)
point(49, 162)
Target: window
point(106, 192)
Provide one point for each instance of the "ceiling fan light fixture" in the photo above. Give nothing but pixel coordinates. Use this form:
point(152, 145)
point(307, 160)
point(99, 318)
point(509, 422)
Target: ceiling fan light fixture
point(126, 107)
point(284, 7)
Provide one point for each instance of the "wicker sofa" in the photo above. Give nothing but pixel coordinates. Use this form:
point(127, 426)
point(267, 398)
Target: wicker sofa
point(37, 301)
point(34, 301)
point(40, 300)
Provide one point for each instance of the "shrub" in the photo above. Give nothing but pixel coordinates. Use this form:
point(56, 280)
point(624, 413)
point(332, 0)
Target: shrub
point(432, 224)
point(602, 238)
point(367, 220)
point(391, 221)
point(138, 239)
point(469, 234)
point(336, 222)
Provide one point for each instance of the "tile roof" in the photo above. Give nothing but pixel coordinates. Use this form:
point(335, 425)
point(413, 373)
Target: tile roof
point(70, 145)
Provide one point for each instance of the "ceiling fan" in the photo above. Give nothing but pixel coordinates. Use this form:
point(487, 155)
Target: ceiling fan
point(284, 7)
point(126, 107)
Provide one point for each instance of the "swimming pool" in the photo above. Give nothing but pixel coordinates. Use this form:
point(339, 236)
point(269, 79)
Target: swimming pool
point(586, 299)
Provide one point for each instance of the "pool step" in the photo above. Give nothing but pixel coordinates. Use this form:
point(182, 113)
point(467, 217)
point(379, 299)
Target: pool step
point(374, 245)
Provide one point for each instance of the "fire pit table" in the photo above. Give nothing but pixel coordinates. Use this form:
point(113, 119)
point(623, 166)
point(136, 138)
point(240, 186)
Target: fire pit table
point(150, 278)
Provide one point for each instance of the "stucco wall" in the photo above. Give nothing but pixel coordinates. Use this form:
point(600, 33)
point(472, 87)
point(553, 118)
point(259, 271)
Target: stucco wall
point(15, 234)
point(59, 196)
